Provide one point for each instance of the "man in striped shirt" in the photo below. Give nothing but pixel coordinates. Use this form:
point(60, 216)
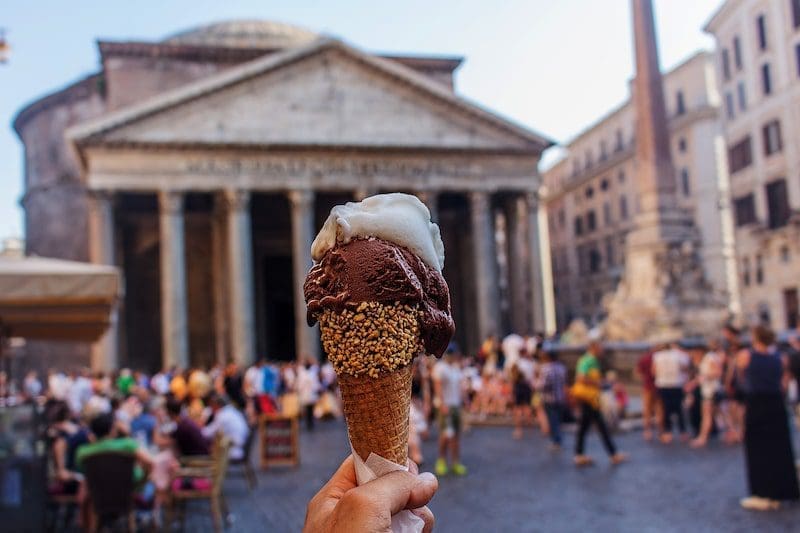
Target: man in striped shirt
point(553, 381)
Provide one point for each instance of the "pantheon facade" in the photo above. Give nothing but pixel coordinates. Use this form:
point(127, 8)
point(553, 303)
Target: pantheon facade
point(203, 165)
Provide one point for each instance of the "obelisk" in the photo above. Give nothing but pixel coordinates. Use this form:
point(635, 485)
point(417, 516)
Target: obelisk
point(663, 292)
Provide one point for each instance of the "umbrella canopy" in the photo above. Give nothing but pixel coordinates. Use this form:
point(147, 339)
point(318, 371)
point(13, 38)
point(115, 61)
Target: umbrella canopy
point(53, 299)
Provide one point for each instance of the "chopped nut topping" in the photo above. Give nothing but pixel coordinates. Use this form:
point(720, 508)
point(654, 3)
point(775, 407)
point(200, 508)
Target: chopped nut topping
point(374, 339)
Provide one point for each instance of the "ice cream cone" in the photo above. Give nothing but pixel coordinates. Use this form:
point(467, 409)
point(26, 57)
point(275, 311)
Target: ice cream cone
point(376, 411)
point(371, 349)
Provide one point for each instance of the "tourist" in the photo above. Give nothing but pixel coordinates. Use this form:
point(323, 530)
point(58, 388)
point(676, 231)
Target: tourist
point(230, 422)
point(652, 415)
point(670, 367)
point(254, 380)
point(734, 386)
point(771, 472)
point(233, 383)
point(552, 386)
point(67, 437)
point(448, 380)
point(177, 385)
point(308, 387)
point(185, 437)
point(522, 399)
point(341, 506)
point(125, 381)
point(710, 385)
point(143, 425)
point(160, 383)
point(586, 391)
point(31, 385)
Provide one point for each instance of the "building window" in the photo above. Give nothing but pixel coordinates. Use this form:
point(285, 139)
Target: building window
point(740, 155)
point(797, 56)
point(726, 65)
point(685, 186)
point(589, 191)
point(623, 207)
point(589, 159)
point(607, 214)
point(778, 204)
point(771, 134)
point(744, 210)
point(620, 142)
point(680, 105)
point(759, 269)
point(621, 176)
point(604, 184)
point(761, 28)
point(578, 226)
point(795, 13)
point(562, 218)
point(591, 221)
point(766, 79)
point(737, 53)
point(786, 255)
point(610, 260)
point(576, 167)
point(729, 108)
point(603, 151)
point(595, 261)
point(746, 271)
point(682, 145)
point(742, 96)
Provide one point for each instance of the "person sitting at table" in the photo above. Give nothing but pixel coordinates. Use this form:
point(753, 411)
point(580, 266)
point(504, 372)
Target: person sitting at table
point(105, 438)
point(185, 437)
point(229, 421)
point(66, 437)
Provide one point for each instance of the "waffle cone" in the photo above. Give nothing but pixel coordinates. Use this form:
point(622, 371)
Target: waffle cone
point(376, 411)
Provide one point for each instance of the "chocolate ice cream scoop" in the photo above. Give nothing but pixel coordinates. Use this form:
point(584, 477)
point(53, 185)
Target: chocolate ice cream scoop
point(375, 270)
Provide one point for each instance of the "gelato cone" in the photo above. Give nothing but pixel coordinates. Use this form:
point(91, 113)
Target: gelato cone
point(377, 291)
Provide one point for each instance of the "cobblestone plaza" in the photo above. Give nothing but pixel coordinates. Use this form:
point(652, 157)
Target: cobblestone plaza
point(521, 486)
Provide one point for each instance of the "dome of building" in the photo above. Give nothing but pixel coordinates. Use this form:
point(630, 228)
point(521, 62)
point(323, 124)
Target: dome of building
point(245, 34)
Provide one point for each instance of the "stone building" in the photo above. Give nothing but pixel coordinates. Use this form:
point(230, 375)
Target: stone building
point(593, 201)
point(203, 165)
point(757, 60)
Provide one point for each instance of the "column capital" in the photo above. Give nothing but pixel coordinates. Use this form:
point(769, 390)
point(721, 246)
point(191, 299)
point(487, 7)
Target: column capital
point(236, 199)
point(100, 198)
point(300, 198)
point(363, 192)
point(170, 202)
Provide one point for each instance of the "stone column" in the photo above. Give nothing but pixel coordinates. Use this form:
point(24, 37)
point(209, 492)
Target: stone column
point(430, 199)
point(105, 352)
point(240, 277)
point(219, 247)
point(174, 321)
point(302, 205)
point(541, 268)
point(486, 282)
point(517, 277)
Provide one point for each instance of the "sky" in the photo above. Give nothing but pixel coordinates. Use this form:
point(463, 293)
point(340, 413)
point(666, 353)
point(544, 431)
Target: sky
point(553, 66)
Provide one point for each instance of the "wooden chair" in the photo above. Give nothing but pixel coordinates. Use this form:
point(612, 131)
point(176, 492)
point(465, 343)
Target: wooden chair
point(110, 484)
point(215, 472)
point(245, 462)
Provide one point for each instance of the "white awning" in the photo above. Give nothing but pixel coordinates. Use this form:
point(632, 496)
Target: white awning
point(44, 298)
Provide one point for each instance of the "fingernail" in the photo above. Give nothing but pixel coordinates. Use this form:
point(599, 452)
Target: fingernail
point(427, 477)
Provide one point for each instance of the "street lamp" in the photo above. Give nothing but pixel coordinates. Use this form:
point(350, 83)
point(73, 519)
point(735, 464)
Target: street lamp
point(4, 47)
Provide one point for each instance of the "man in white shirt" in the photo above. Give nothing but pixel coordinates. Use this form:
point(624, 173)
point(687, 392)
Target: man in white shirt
point(670, 366)
point(229, 421)
point(448, 381)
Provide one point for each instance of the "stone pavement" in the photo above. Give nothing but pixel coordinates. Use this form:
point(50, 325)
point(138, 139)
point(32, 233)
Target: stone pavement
point(521, 486)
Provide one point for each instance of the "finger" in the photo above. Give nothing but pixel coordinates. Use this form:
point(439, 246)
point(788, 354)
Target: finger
point(342, 480)
point(400, 490)
point(427, 516)
point(412, 467)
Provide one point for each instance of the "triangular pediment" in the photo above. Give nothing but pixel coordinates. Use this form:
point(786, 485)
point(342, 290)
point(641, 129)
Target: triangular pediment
point(327, 94)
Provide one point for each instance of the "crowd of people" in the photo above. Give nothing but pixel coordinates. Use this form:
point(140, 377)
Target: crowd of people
point(719, 389)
